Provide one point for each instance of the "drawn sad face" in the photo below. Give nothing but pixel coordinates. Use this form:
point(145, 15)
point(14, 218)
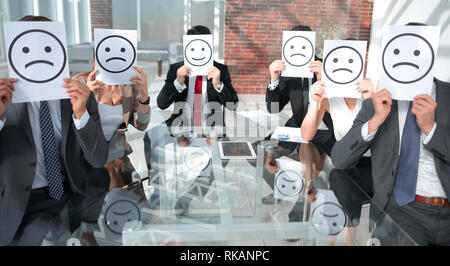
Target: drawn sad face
point(328, 218)
point(289, 183)
point(39, 52)
point(119, 213)
point(298, 51)
point(115, 54)
point(343, 65)
point(408, 58)
point(198, 52)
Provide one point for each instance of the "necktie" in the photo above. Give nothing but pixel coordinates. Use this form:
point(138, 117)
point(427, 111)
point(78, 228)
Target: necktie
point(51, 154)
point(406, 180)
point(198, 102)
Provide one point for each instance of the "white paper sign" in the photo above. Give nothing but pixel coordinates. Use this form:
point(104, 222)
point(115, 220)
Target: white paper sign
point(37, 56)
point(408, 60)
point(343, 66)
point(327, 216)
point(289, 134)
point(115, 55)
point(297, 52)
point(198, 53)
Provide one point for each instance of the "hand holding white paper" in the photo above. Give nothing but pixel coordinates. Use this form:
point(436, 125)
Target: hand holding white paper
point(408, 60)
point(115, 55)
point(198, 54)
point(343, 65)
point(298, 51)
point(37, 56)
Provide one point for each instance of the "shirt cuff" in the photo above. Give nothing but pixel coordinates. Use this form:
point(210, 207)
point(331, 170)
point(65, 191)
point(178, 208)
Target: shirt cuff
point(81, 123)
point(219, 90)
point(425, 141)
point(143, 118)
point(274, 85)
point(180, 88)
point(2, 124)
point(365, 133)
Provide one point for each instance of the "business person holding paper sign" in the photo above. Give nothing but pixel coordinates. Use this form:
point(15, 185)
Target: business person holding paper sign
point(409, 144)
point(47, 148)
point(192, 93)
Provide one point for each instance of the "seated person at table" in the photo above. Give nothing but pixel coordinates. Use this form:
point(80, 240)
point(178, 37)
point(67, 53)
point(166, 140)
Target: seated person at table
point(346, 184)
point(181, 89)
point(409, 144)
point(119, 106)
point(47, 149)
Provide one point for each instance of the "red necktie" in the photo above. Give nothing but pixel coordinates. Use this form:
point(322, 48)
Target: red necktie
point(198, 102)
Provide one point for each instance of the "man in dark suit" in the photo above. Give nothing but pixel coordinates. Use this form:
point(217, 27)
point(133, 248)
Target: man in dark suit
point(219, 90)
point(46, 150)
point(409, 143)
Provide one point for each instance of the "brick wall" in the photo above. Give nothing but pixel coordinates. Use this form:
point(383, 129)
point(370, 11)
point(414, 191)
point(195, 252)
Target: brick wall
point(253, 32)
point(101, 14)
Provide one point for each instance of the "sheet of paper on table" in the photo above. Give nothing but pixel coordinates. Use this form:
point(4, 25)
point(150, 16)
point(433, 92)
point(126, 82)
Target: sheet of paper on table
point(259, 116)
point(289, 134)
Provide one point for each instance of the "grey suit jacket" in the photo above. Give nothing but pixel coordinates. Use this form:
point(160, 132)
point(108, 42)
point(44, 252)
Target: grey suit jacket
point(79, 150)
point(385, 148)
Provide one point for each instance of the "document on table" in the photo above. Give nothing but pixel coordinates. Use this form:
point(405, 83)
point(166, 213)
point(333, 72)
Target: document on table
point(289, 134)
point(259, 116)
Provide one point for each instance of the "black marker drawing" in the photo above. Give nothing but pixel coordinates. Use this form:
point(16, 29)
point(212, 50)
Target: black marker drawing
point(115, 48)
point(198, 52)
point(343, 65)
point(298, 51)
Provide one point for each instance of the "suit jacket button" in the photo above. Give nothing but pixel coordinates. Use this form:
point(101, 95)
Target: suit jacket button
point(28, 188)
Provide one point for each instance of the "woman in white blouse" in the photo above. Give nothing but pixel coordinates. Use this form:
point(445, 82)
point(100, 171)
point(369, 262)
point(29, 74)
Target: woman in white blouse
point(344, 183)
point(119, 106)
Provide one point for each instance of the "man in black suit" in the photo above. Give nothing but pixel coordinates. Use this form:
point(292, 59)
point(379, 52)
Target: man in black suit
point(409, 143)
point(219, 90)
point(46, 149)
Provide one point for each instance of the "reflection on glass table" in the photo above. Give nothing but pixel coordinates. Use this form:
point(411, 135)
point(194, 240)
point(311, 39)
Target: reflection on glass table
point(195, 197)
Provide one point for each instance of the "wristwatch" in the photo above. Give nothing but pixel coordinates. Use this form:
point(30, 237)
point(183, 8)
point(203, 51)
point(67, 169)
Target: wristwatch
point(147, 102)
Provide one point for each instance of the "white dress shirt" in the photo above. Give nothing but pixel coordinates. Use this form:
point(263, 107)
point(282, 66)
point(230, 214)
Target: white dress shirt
point(190, 98)
point(428, 182)
point(40, 179)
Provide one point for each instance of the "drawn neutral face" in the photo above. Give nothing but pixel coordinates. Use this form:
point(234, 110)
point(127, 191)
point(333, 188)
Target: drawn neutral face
point(343, 65)
point(289, 183)
point(119, 213)
point(198, 52)
point(115, 54)
point(328, 218)
point(298, 51)
point(34, 52)
point(408, 58)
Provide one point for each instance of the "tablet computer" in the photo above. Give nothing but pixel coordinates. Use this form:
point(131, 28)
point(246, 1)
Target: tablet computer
point(234, 150)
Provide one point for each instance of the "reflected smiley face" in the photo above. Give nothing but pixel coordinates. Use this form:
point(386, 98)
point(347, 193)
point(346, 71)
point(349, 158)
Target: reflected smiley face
point(289, 183)
point(343, 65)
point(298, 51)
point(119, 213)
point(46, 55)
point(115, 54)
point(328, 218)
point(198, 52)
point(408, 58)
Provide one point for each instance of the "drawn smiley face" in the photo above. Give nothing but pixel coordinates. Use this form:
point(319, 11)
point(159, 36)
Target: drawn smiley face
point(119, 213)
point(298, 51)
point(343, 65)
point(408, 58)
point(48, 54)
point(289, 183)
point(115, 54)
point(328, 218)
point(198, 52)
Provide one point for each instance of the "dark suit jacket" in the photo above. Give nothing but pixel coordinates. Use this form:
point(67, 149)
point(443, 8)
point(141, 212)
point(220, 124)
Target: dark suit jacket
point(169, 94)
point(385, 147)
point(79, 150)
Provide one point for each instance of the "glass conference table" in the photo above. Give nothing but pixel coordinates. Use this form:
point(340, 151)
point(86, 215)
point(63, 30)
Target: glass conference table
point(194, 197)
